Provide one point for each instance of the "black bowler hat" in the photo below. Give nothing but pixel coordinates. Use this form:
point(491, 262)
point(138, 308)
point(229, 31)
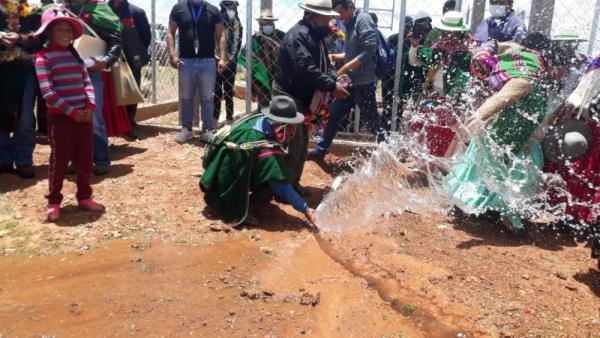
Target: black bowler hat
point(283, 109)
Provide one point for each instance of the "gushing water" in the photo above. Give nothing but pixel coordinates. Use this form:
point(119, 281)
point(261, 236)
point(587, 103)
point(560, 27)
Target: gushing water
point(401, 175)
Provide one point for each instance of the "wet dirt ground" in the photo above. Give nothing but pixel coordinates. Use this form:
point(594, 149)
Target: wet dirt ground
point(158, 264)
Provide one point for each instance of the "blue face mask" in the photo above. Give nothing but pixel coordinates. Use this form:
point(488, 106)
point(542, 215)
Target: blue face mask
point(267, 30)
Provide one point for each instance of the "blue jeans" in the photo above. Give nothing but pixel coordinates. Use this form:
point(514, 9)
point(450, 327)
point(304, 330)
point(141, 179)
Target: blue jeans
point(101, 151)
point(198, 74)
point(363, 96)
point(18, 149)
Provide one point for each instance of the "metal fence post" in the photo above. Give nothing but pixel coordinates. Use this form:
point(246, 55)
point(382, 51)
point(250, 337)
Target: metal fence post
point(592, 43)
point(153, 50)
point(366, 6)
point(248, 56)
point(399, 57)
point(477, 14)
point(542, 13)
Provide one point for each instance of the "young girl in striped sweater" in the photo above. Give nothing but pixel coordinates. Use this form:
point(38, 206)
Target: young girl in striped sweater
point(69, 94)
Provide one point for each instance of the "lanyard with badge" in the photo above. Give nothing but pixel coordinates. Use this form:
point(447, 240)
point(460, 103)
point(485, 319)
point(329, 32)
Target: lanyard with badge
point(196, 18)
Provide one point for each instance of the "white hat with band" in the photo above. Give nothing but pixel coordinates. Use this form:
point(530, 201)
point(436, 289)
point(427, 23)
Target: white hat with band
point(451, 21)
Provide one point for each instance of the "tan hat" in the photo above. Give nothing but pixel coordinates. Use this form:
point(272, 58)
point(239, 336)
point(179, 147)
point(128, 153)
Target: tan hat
point(452, 21)
point(266, 14)
point(320, 7)
point(567, 33)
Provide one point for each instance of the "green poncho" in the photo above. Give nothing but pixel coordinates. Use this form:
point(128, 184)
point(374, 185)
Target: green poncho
point(98, 13)
point(260, 72)
point(456, 67)
point(231, 174)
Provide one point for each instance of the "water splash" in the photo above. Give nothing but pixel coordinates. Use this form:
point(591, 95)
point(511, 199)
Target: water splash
point(402, 176)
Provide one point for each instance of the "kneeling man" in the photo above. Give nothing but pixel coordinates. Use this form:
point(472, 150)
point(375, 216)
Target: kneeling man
point(245, 163)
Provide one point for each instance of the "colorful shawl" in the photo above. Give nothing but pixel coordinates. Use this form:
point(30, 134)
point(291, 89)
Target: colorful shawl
point(514, 63)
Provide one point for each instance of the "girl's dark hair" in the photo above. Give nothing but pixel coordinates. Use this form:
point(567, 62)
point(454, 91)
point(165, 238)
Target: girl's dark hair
point(73, 51)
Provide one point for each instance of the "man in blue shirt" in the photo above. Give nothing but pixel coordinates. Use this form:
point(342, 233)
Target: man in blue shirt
point(503, 24)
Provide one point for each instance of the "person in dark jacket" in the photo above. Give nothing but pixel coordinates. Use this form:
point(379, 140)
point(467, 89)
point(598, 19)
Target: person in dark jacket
point(304, 69)
point(226, 80)
point(136, 40)
point(359, 65)
point(99, 16)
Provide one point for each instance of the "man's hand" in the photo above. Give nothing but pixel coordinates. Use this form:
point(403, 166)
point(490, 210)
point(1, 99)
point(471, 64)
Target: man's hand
point(175, 62)
point(221, 66)
point(311, 216)
point(9, 40)
point(98, 66)
point(340, 92)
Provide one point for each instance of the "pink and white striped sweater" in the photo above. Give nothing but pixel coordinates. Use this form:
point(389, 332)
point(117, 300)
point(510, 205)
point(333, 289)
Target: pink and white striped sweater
point(64, 82)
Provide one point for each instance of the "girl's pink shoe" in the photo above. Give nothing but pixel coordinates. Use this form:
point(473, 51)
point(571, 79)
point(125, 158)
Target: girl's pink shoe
point(53, 212)
point(90, 205)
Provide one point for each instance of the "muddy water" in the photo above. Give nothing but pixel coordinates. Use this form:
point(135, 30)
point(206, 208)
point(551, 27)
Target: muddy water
point(158, 289)
point(392, 292)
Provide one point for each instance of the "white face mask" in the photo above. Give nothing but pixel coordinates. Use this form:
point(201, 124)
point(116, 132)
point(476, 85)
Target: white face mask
point(230, 13)
point(497, 10)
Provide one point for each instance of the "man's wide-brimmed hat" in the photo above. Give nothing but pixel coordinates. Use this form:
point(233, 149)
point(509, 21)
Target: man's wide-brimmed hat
point(266, 14)
point(568, 33)
point(283, 109)
point(569, 140)
point(320, 7)
point(55, 14)
point(452, 21)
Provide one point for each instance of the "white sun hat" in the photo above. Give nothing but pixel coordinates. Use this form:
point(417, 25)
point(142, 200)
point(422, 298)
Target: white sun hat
point(452, 21)
point(567, 33)
point(321, 7)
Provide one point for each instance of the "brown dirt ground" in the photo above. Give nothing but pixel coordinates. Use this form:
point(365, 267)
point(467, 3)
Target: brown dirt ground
point(157, 264)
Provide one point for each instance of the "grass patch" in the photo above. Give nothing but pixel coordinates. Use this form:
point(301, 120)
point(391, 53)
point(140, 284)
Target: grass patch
point(408, 308)
point(9, 225)
point(146, 268)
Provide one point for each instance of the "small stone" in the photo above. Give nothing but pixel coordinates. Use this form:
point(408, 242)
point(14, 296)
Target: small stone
point(526, 277)
point(309, 299)
point(302, 331)
point(266, 250)
point(268, 293)
point(571, 287)
point(561, 275)
point(231, 312)
point(136, 260)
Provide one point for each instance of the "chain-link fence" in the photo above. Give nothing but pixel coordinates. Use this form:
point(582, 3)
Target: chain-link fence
point(160, 80)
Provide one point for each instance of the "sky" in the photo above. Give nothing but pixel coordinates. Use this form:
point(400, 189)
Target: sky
point(578, 13)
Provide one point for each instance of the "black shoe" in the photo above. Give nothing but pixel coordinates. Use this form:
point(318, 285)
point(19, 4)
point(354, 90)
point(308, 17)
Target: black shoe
point(132, 134)
point(25, 172)
point(302, 191)
point(100, 170)
point(314, 155)
point(7, 169)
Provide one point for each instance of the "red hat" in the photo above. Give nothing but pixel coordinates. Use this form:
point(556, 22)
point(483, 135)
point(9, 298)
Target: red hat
point(55, 14)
